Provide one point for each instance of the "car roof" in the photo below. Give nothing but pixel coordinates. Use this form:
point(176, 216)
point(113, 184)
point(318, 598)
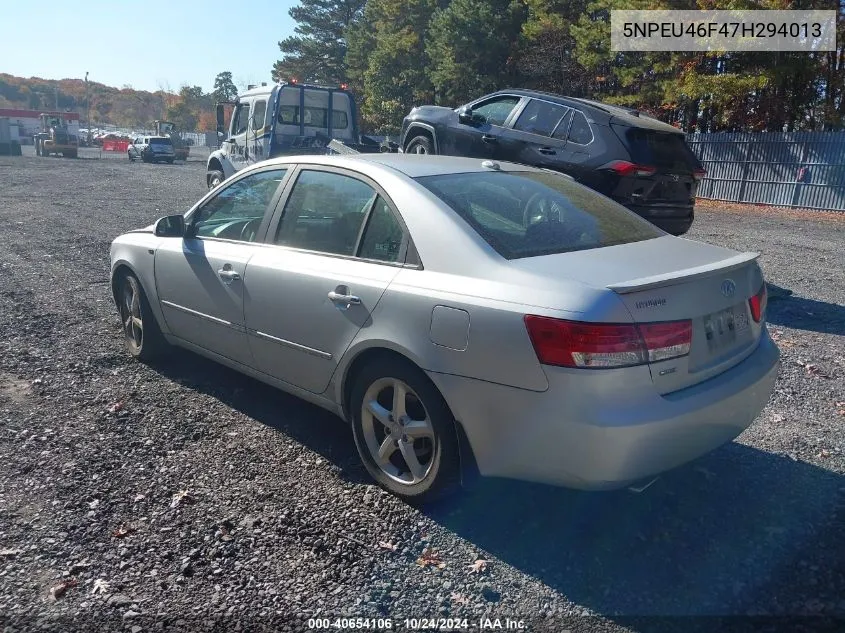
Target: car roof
point(411, 165)
point(628, 116)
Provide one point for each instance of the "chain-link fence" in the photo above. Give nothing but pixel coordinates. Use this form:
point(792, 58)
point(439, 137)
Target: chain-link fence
point(798, 169)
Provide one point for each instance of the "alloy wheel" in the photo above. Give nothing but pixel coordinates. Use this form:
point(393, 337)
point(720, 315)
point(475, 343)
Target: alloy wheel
point(130, 313)
point(398, 431)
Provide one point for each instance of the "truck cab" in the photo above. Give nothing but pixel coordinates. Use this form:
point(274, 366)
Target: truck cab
point(286, 118)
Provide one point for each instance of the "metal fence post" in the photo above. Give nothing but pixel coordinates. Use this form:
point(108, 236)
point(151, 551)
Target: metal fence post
point(745, 163)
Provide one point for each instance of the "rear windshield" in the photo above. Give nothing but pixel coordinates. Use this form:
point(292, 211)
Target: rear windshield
point(160, 141)
point(525, 214)
point(314, 117)
point(660, 149)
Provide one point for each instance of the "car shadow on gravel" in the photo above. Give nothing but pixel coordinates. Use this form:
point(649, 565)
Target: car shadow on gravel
point(806, 314)
point(739, 531)
point(319, 430)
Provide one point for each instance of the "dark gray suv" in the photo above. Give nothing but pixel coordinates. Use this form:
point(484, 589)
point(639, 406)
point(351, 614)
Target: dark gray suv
point(634, 159)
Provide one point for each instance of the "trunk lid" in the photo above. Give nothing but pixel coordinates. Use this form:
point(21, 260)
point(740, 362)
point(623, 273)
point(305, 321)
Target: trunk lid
point(674, 181)
point(669, 279)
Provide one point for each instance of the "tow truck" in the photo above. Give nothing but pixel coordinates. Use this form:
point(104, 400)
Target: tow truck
point(286, 118)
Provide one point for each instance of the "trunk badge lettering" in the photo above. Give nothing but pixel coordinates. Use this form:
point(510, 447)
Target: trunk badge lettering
point(671, 370)
point(728, 288)
point(651, 303)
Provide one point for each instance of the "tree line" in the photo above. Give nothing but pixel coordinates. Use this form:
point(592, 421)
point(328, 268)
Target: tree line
point(396, 54)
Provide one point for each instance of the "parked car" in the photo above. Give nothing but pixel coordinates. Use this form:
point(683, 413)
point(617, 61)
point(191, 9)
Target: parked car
point(152, 149)
point(634, 159)
point(463, 315)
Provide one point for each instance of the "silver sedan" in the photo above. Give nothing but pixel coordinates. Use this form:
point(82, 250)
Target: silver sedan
point(464, 316)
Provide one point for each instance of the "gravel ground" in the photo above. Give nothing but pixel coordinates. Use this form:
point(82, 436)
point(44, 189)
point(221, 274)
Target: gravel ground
point(186, 497)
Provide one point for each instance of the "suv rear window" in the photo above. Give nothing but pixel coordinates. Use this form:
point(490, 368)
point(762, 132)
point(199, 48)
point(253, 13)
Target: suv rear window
point(160, 141)
point(660, 149)
point(526, 214)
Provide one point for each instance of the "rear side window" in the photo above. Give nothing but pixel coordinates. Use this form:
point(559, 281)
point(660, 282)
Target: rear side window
point(540, 117)
point(579, 130)
point(660, 149)
point(383, 235)
point(160, 141)
point(525, 214)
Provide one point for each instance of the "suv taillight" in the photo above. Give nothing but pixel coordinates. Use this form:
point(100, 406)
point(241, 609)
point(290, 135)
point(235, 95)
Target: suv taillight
point(626, 168)
point(758, 304)
point(605, 345)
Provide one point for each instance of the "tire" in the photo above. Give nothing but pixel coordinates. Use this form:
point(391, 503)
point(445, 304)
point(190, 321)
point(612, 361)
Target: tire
point(420, 145)
point(214, 177)
point(129, 154)
point(141, 333)
point(433, 446)
point(170, 161)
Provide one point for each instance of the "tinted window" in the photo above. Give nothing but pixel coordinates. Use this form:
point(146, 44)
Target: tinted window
point(383, 236)
point(258, 115)
point(325, 212)
point(579, 130)
point(523, 214)
point(160, 141)
point(314, 117)
point(540, 117)
point(562, 130)
point(236, 212)
point(660, 149)
point(495, 111)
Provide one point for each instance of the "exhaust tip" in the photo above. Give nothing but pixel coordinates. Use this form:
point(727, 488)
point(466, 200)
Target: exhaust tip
point(642, 486)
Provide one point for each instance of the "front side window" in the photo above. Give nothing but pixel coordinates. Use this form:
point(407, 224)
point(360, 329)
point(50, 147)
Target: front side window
point(495, 111)
point(258, 115)
point(525, 214)
point(237, 211)
point(540, 117)
point(325, 212)
point(240, 119)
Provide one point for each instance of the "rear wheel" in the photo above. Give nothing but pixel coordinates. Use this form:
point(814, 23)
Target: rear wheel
point(214, 178)
point(420, 145)
point(404, 431)
point(141, 333)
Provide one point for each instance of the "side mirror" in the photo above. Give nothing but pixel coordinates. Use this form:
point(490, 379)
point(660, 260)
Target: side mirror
point(221, 119)
point(170, 226)
point(465, 114)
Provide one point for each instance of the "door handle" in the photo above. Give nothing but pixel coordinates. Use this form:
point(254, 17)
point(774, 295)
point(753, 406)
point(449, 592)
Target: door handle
point(547, 150)
point(228, 274)
point(336, 297)
point(488, 138)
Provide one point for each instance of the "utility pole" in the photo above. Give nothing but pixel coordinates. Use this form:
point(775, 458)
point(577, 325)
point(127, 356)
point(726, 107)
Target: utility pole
point(87, 110)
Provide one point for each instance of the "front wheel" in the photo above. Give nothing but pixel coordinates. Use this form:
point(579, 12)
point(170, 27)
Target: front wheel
point(141, 333)
point(404, 431)
point(420, 145)
point(214, 178)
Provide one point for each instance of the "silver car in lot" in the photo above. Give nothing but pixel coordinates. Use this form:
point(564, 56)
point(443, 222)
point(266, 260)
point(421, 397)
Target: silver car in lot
point(462, 315)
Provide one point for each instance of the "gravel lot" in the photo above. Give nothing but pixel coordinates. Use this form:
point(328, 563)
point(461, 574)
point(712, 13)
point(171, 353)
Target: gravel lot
point(187, 497)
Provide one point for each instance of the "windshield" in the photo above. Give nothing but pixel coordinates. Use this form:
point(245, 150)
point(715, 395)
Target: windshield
point(526, 214)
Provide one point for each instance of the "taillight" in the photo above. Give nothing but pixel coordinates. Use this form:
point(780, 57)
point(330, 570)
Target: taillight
point(601, 345)
point(758, 304)
point(699, 174)
point(626, 168)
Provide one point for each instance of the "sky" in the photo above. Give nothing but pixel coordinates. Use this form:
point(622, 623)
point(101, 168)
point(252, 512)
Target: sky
point(149, 45)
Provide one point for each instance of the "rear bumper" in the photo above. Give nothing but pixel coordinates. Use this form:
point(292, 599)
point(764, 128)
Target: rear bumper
point(676, 220)
point(601, 430)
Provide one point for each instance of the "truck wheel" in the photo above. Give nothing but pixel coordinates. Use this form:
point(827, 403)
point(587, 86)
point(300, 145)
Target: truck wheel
point(214, 178)
point(420, 145)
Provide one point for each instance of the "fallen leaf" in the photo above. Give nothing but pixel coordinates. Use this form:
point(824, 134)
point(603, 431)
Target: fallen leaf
point(100, 586)
point(9, 553)
point(841, 412)
point(458, 598)
point(138, 498)
point(478, 567)
point(823, 454)
point(430, 557)
point(387, 545)
point(183, 496)
point(777, 417)
point(61, 589)
point(117, 406)
point(122, 531)
point(94, 504)
point(815, 370)
point(840, 404)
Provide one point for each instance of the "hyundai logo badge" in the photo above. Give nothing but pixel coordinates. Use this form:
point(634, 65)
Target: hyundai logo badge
point(728, 288)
